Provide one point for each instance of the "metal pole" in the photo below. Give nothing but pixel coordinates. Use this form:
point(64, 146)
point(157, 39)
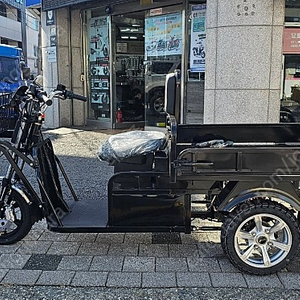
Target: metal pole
point(23, 30)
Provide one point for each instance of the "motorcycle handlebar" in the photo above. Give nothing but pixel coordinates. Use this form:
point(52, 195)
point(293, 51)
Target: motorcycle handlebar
point(71, 95)
point(42, 97)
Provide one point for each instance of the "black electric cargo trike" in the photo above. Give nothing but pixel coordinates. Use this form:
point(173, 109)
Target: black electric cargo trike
point(245, 176)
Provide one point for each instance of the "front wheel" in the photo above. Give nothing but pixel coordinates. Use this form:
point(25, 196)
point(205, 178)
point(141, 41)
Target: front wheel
point(260, 237)
point(15, 219)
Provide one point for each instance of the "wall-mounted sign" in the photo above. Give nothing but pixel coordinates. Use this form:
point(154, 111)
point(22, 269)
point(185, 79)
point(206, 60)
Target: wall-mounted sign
point(53, 31)
point(291, 41)
point(198, 38)
point(53, 41)
point(51, 54)
point(50, 18)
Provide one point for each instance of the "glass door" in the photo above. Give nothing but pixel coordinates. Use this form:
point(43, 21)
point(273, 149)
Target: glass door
point(128, 71)
point(164, 39)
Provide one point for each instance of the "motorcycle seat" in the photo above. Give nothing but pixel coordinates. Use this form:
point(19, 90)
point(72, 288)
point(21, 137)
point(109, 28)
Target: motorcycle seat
point(131, 144)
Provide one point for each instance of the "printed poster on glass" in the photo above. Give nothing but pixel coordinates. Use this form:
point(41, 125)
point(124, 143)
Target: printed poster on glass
point(163, 35)
point(99, 66)
point(198, 37)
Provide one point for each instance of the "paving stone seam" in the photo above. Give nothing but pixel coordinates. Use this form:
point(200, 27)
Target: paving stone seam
point(90, 263)
point(80, 243)
point(38, 277)
point(106, 281)
point(123, 261)
point(72, 278)
point(281, 281)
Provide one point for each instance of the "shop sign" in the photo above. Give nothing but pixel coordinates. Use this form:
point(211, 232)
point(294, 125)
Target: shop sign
point(50, 18)
point(291, 41)
point(155, 11)
point(163, 35)
point(198, 38)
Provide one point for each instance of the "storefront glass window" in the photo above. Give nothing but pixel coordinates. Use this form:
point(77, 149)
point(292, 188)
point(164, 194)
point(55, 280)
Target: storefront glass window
point(292, 11)
point(98, 39)
point(129, 110)
point(163, 51)
point(290, 102)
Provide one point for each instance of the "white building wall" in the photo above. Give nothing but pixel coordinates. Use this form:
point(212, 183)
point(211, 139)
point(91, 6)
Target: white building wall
point(10, 29)
point(32, 43)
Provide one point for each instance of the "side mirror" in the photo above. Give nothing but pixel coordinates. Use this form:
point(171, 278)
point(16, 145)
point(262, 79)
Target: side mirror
point(25, 73)
point(170, 93)
point(38, 80)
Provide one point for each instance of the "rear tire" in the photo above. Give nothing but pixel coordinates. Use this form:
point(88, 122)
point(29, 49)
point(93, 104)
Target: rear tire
point(260, 237)
point(15, 220)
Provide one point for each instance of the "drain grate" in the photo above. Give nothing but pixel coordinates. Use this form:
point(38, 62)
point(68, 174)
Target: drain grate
point(166, 238)
point(43, 262)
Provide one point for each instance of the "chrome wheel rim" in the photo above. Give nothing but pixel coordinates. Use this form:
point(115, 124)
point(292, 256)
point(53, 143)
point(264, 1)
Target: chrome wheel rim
point(12, 219)
point(159, 105)
point(263, 240)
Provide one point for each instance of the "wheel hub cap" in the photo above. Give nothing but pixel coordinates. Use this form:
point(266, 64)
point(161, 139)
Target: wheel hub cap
point(263, 240)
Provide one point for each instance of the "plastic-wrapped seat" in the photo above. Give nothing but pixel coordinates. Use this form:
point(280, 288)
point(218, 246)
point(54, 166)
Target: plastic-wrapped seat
point(133, 147)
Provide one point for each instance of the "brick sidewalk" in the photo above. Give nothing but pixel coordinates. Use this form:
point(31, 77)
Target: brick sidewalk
point(121, 260)
point(129, 260)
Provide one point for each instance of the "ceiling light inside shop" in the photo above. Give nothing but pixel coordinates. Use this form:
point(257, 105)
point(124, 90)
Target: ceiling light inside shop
point(125, 29)
point(133, 37)
point(124, 37)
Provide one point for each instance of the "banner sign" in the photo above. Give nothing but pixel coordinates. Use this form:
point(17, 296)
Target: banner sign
point(163, 35)
point(291, 41)
point(198, 38)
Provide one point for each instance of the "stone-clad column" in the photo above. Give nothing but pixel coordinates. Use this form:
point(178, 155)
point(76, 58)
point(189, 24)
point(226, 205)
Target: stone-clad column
point(49, 71)
point(244, 58)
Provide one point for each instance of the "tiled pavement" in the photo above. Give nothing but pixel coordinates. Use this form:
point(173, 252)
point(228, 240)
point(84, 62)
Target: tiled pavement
point(129, 260)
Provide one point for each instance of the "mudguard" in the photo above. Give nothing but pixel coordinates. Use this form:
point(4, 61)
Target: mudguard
point(36, 211)
point(285, 193)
